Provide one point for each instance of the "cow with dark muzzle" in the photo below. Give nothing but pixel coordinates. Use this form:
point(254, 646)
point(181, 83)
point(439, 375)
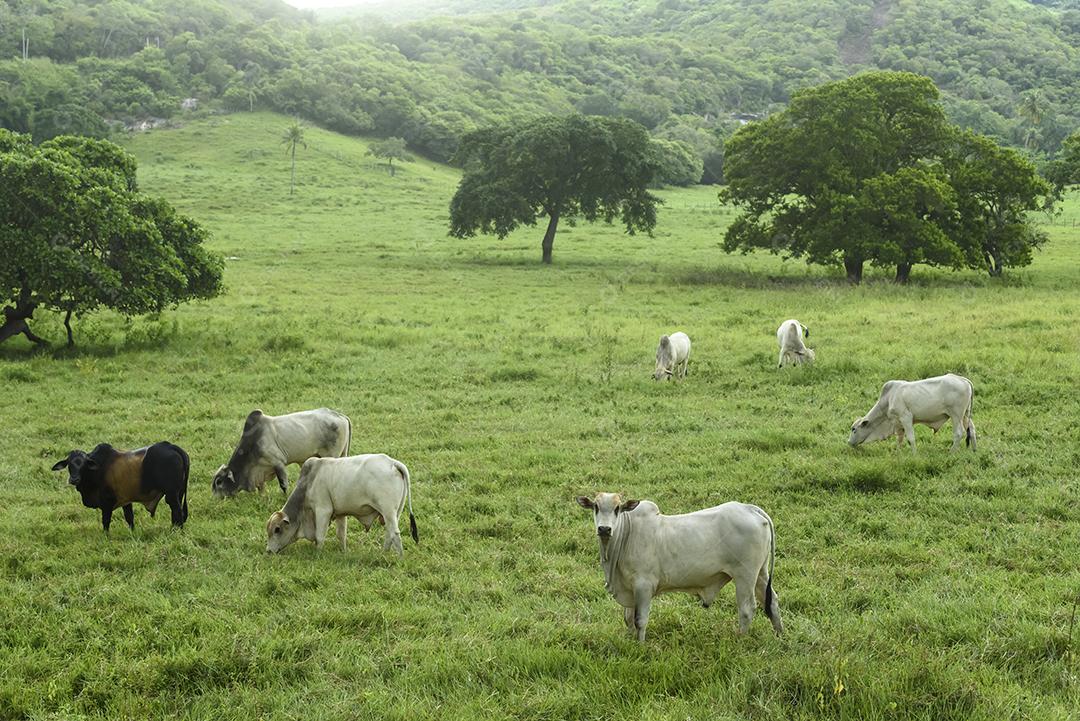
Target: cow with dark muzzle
point(109, 479)
point(270, 443)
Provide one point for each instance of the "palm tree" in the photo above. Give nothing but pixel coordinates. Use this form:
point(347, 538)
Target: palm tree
point(294, 135)
point(1032, 108)
point(252, 83)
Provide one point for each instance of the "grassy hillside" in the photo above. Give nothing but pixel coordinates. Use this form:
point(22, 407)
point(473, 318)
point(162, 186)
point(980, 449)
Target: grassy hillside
point(934, 587)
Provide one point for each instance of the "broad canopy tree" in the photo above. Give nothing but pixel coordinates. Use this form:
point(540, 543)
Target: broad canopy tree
point(996, 188)
point(1064, 170)
point(77, 235)
point(391, 149)
point(557, 168)
point(868, 169)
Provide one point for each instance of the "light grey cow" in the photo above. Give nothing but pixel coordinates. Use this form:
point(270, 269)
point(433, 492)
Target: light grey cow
point(672, 356)
point(644, 553)
point(931, 402)
point(270, 443)
point(790, 337)
point(371, 487)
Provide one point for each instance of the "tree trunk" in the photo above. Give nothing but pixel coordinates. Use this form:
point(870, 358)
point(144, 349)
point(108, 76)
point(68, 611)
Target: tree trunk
point(549, 236)
point(391, 162)
point(853, 267)
point(292, 174)
point(67, 324)
point(903, 272)
point(15, 323)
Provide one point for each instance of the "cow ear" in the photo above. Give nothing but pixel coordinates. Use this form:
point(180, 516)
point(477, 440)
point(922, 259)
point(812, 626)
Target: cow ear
point(60, 464)
point(585, 502)
point(629, 506)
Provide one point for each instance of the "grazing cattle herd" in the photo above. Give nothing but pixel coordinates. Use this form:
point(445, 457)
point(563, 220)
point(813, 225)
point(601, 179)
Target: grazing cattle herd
point(643, 553)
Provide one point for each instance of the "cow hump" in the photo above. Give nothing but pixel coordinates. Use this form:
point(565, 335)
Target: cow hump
point(252, 420)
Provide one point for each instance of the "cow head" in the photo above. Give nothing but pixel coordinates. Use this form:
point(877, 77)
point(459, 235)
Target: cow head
point(606, 508)
point(869, 428)
point(665, 359)
point(78, 465)
point(84, 473)
point(280, 532)
point(224, 483)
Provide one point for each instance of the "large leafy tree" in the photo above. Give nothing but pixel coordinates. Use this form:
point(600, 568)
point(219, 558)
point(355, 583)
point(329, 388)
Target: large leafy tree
point(391, 149)
point(996, 188)
point(868, 170)
point(1065, 168)
point(905, 216)
point(810, 180)
point(76, 235)
point(556, 168)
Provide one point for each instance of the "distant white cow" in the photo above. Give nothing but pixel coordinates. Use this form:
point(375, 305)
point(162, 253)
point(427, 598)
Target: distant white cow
point(932, 402)
point(370, 488)
point(644, 553)
point(672, 356)
point(790, 336)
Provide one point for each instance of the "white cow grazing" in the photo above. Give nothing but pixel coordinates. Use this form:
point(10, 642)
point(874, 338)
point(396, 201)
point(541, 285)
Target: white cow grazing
point(932, 402)
point(672, 356)
point(645, 553)
point(371, 487)
point(270, 443)
point(790, 336)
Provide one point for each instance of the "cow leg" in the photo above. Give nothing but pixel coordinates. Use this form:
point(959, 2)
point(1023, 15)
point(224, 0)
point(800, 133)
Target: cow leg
point(106, 517)
point(899, 439)
point(129, 516)
point(744, 598)
point(772, 607)
point(958, 432)
point(282, 478)
point(708, 595)
point(322, 525)
point(642, 601)
point(909, 430)
point(342, 528)
point(393, 534)
point(628, 618)
point(176, 506)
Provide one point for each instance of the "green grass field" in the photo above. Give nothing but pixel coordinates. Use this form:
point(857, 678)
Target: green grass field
point(932, 587)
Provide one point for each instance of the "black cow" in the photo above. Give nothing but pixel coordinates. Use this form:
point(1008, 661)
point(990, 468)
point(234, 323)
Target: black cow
point(109, 479)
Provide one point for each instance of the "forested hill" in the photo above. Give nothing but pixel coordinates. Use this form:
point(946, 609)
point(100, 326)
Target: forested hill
point(430, 70)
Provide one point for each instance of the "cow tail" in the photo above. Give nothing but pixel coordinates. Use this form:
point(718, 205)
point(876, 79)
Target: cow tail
point(404, 471)
point(348, 434)
point(969, 424)
point(772, 562)
point(187, 475)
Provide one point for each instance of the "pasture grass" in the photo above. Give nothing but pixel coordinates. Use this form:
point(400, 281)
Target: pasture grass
point(936, 586)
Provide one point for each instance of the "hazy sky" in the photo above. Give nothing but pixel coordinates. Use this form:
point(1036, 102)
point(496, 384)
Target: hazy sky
point(310, 4)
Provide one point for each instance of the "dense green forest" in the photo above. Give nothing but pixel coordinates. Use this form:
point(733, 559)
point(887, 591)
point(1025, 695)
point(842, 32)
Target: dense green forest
point(431, 70)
